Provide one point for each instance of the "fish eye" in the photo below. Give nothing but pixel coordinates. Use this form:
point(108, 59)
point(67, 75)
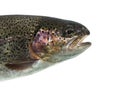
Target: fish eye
point(69, 31)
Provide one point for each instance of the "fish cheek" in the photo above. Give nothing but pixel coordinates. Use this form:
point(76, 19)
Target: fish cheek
point(45, 52)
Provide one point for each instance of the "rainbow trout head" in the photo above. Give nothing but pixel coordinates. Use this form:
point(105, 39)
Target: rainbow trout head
point(58, 40)
point(32, 43)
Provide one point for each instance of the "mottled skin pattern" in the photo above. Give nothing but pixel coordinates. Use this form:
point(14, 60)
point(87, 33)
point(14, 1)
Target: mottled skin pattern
point(17, 32)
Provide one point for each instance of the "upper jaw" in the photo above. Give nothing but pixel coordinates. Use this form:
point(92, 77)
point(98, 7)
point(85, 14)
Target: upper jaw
point(77, 42)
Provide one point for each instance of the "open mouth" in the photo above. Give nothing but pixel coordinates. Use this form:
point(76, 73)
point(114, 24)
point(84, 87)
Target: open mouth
point(77, 42)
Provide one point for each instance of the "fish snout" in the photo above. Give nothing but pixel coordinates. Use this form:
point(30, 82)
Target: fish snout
point(85, 31)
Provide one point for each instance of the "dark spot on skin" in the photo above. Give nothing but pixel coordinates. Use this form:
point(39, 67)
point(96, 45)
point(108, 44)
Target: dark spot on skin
point(48, 33)
point(60, 38)
point(42, 31)
point(53, 33)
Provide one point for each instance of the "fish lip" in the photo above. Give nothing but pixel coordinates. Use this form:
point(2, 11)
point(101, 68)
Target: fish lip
point(77, 41)
point(81, 41)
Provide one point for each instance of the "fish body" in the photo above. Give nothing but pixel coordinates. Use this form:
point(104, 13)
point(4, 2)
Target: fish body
point(31, 43)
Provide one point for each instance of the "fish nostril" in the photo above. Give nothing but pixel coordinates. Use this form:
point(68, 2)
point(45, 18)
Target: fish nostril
point(79, 31)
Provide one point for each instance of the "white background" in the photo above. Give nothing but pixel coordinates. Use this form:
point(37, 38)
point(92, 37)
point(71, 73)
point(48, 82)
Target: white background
point(98, 68)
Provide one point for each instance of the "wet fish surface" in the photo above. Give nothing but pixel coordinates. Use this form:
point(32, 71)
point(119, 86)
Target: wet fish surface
point(32, 43)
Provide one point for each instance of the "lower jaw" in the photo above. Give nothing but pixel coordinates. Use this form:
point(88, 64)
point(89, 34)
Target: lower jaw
point(84, 44)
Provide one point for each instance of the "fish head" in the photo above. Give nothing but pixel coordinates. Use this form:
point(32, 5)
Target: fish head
point(58, 40)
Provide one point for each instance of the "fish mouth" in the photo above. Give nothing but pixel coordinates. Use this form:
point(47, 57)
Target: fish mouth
point(73, 47)
point(77, 42)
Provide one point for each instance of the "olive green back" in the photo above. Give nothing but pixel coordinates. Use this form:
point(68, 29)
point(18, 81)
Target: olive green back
point(16, 32)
